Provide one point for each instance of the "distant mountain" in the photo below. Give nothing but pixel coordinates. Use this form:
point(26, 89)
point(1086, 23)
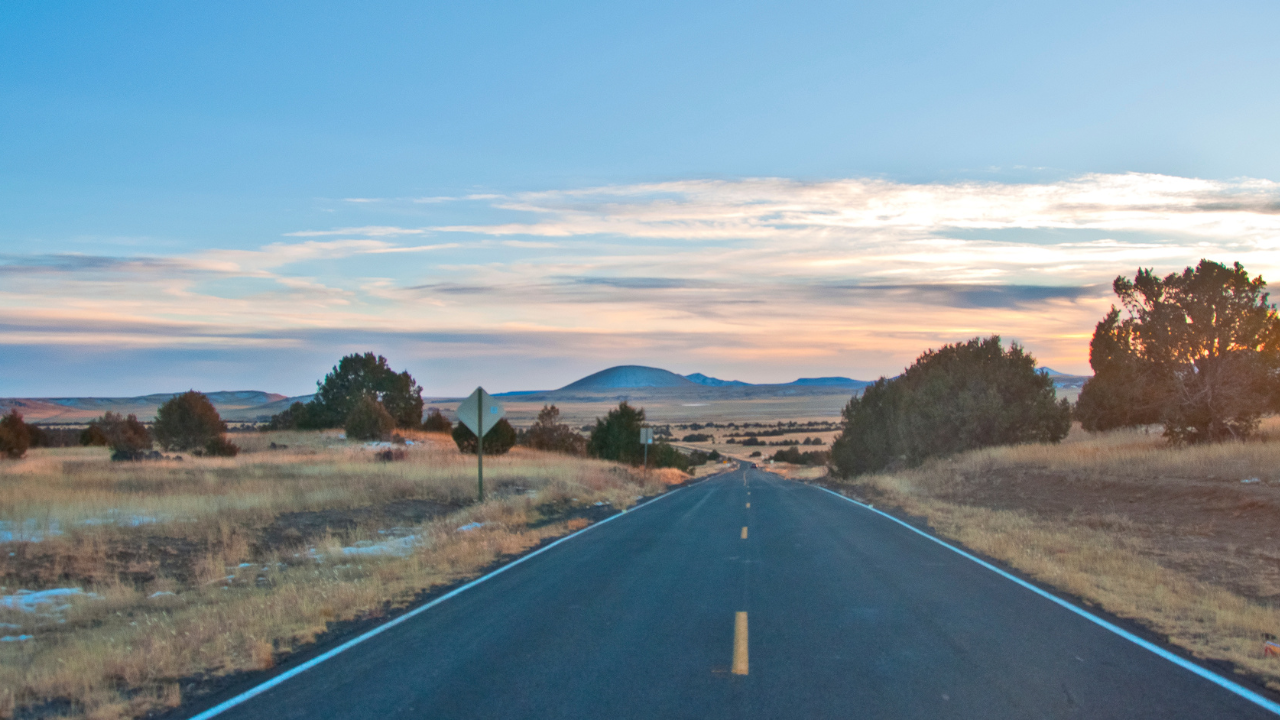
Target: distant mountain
point(630, 376)
point(715, 382)
point(1063, 380)
point(830, 381)
point(231, 404)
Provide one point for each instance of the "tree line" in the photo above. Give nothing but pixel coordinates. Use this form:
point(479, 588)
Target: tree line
point(368, 399)
point(184, 423)
point(1197, 352)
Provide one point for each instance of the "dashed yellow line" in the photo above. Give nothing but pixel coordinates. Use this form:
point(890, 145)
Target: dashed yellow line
point(740, 642)
point(748, 504)
point(744, 532)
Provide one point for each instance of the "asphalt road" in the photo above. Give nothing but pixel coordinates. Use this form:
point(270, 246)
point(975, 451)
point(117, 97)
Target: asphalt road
point(847, 615)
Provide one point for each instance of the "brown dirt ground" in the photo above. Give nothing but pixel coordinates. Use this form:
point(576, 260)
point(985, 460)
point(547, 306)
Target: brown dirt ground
point(1221, 531)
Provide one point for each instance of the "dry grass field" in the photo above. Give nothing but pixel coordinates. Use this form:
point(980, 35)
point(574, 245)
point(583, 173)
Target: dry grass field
point(123, 583)
point(669, 407)
point(1184, 540)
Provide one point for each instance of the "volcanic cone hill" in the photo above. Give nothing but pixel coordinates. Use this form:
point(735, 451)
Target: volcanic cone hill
point(627, 377)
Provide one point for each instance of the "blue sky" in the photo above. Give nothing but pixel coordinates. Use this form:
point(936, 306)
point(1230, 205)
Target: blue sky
point(231, 196)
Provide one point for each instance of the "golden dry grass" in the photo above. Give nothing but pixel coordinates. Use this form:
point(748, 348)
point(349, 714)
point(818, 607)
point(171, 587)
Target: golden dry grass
point(1167, 536)
point(213, 582)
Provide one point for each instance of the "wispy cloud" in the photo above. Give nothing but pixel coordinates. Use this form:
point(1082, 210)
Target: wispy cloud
point(366, 231)
point(848, 276)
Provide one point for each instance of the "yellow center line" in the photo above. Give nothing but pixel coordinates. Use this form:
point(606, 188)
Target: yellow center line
point(744, 532)
point(748, 504)
point(740, 643)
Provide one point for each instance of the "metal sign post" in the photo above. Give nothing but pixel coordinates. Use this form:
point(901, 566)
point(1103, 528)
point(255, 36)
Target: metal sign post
point(646, 439)
point(480, 413)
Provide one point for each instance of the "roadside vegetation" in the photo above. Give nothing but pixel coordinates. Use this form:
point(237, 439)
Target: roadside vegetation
point(616, 436)
point(356, 379)
point(1197, 351)
point(123, 583)
point(964, 396)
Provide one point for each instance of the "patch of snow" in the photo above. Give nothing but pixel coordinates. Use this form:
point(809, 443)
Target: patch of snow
point(245, 565)
point(27, 530)
point(31, 530)
point(10, 626)
point(116, 518)
point(598, 503)
point(162, 593)
point(1250, 480)
point(55, 599)
point(17, 638)
point(396, 546)
point(470, 526)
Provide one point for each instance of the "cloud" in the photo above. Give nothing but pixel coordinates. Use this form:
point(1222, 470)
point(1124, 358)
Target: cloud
point(851, 277)
point(638, 283)
point(962, 296)
point(74, 263)
point(769, 207)
point(366, 231)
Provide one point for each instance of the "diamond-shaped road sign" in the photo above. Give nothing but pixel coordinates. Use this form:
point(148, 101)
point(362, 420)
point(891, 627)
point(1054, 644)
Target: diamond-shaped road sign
point(480, 412)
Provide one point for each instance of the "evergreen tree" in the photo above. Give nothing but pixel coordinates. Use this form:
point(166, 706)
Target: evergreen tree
point(961, 397)
point(548, 433)
point(356, 376)
point(368, 420)
point(1199, 351)
point(15, 438)
point(616, 436)
point(187, 422)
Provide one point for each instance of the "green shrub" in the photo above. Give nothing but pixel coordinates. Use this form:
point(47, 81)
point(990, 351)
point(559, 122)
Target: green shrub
point(662, 455)
point(368, 420)
point(93, 435)
point(963, 396)
point(187, 422)
point(127, 438)
point(616, 436)
point(1199, 351)
point(220, 446)
point(356, 376)
point(499, 440)
point(548, 433)
point(436, 422)
point(293, 417)
point(48, 437)
point(15, 438)
point(794, 456)
point(698, 457)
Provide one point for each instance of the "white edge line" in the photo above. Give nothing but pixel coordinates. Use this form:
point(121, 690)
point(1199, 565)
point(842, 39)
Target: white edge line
point(1213, 677)
point(259, 689)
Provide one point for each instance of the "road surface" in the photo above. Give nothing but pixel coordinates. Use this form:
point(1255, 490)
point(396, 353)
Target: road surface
point(747, 596)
